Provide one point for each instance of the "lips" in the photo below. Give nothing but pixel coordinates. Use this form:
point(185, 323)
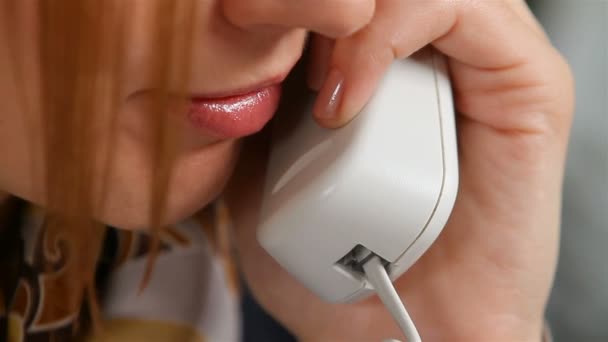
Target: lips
point(235, 116)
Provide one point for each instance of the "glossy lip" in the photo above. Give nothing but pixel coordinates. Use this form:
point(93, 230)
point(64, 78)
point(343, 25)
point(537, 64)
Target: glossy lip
point(237, 113)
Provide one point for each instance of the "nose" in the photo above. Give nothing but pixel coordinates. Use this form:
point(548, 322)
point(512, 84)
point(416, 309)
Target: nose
point(332, 18)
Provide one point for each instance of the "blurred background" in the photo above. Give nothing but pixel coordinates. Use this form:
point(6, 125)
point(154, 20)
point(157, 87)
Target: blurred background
point(578, 310)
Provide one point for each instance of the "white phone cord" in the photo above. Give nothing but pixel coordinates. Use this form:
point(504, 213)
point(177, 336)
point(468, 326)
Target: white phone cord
point(378, 277)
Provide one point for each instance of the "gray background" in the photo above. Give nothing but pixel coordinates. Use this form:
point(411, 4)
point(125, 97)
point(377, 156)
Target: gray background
point(578, 310)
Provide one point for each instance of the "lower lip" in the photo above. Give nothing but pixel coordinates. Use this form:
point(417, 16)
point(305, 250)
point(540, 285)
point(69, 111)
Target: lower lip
point(235, 116)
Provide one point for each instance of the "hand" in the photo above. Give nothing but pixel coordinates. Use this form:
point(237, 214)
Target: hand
point(488, 276)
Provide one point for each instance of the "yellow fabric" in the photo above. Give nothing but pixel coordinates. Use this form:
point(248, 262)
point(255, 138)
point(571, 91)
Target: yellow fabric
point(168, 311)
point(15, 328)
point(133, 330)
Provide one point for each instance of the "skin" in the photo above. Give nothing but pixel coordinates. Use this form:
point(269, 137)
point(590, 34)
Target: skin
point(227, 58)
point(488, 276)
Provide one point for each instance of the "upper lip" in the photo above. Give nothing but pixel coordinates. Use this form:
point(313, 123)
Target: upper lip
point(244, 90)
point(237, 91)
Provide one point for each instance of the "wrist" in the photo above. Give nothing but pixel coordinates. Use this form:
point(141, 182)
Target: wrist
point(472, 331)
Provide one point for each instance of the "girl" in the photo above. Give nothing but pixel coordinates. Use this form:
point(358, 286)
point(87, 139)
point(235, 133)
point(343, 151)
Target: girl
point(122, 122)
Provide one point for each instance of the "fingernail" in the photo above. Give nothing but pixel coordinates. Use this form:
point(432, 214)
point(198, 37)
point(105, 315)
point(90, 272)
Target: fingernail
point(330, 96)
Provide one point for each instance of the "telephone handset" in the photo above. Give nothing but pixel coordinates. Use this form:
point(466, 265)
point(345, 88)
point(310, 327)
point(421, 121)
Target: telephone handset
point(381, 187)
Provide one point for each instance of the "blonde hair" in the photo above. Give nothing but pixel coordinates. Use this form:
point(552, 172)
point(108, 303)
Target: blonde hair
point(81, 66)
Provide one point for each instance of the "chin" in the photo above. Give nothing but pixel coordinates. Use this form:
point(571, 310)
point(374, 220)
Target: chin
point(198, 179)
point(137, 217)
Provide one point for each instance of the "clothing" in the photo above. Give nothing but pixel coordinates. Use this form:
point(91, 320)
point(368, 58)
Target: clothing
point(192, 294)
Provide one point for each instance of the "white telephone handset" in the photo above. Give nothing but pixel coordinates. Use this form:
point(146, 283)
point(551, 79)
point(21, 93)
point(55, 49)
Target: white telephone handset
point(382, 187)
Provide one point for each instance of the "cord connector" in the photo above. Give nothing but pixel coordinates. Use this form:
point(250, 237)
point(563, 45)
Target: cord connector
point(377, 276)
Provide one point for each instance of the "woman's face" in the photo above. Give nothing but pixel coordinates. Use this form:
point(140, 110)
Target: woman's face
point(227, 61)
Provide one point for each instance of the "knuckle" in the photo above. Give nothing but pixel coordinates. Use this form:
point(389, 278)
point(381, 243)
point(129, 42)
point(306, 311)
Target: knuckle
point(566, 91)
point(557, 98)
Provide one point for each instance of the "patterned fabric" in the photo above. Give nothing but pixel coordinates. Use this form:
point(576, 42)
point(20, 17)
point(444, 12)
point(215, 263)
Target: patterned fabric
point(192, 294)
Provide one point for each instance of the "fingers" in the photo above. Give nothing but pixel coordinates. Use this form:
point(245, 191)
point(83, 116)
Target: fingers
point(331, 18)
point(499, 54)
point(499, 61)
point(522, 9)
point(357, 64)
point(351, 78)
